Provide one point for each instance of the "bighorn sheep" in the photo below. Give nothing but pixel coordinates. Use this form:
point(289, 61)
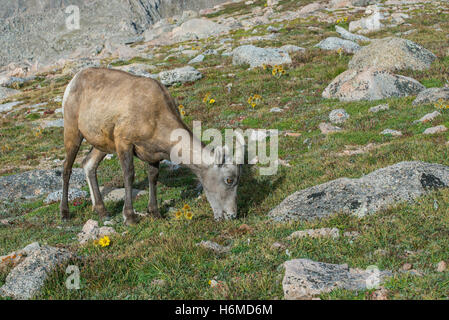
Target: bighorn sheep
point(117, 112)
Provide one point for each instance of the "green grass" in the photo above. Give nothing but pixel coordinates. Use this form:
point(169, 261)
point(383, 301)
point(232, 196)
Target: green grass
point(166, 248)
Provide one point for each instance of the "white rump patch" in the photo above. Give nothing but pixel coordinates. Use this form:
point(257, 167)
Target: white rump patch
point(67, 91)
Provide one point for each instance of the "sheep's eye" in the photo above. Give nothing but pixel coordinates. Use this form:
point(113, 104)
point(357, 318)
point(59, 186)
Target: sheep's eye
point(229, 181)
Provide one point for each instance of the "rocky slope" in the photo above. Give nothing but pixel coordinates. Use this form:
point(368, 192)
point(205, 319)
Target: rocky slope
point(36, 30)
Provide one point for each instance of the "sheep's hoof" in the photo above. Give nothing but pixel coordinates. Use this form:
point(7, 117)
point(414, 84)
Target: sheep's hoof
point(65, 214)
point(101, 211)
point(131, 219)
point(154, 213)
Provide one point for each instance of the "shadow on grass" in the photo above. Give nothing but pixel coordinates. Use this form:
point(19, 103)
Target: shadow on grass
point(253, 189)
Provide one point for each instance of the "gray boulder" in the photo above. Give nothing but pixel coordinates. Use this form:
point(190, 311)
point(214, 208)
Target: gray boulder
point(26, 279)
point(179, 75)
point(432, 95)
point(404, 181)
point(371, 84)
point(255, 56)
point(73, 194)
point(305, 278)
point(392, 54)
point(345, 34)
point(198, 29)
point(334, 43)
point(36, 183)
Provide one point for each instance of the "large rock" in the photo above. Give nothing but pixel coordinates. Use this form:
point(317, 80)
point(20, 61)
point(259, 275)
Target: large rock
point(255, 56)
point(392, 54)
point(334, 43)
point(73, 194)
point(404, 181)
point(369, 24)
point(179, 75)
point(198, 29)
point(345, 34)
point(26, 279)
point(432, 95)
point(371, 84)
point(305, 278)
point(36, 183)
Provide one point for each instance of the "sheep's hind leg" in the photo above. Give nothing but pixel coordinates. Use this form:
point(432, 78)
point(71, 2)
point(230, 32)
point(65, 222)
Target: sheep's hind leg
point(72, 143)
point(90, 165)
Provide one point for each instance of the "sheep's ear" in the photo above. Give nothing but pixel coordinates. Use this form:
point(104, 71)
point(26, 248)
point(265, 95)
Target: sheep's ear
point(219, 154)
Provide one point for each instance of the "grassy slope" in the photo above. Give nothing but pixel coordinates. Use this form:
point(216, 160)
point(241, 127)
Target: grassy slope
point(165, 249)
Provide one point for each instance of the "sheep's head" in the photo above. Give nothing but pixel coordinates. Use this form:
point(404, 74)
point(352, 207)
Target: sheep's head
point(220, 182)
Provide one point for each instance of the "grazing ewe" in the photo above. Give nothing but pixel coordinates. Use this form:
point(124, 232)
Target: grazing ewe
point(117, 112)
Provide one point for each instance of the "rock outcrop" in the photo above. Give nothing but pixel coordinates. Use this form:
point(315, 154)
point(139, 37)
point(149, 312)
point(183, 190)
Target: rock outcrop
point(305, 278)
point(36, 183)
point(404, 181)
point(392, 54)
point(28, 277)
point(371, 84)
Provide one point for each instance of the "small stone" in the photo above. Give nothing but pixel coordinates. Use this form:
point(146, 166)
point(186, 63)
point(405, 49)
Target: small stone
point(435, 130)
point(327, 128)
point(338, 116)
point(380, 252)
point(277, 246)
point(215, 247)
point(351, 234)
point(428, 117)
point(391, 132)
point(380, 294)
point(381, 107)
point(91, 231)
point(315, 233)
point(406, 266)
point(441, 267)
point(197, 59)
point(276, 109)
point(159, 283)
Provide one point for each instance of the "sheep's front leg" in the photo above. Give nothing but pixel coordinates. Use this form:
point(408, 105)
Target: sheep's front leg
point(153, 175)
point(126, 157)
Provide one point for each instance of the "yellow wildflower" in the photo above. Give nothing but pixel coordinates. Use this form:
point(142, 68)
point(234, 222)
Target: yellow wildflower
point(211, 101)
point(104, 242)
point(186, 207)
point(189, 215)
point(178, 214)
